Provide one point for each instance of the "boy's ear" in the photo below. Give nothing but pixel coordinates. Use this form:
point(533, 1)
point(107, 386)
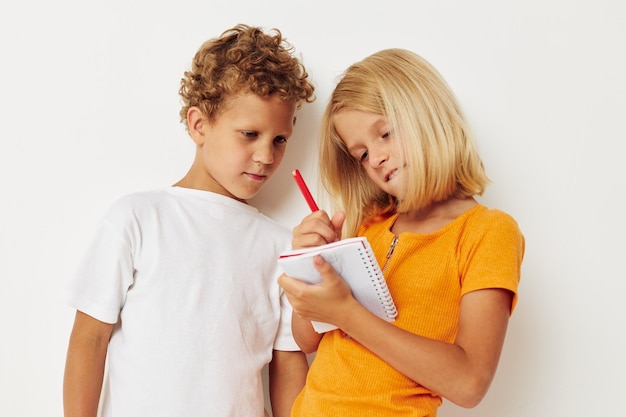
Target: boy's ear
point(196, 123)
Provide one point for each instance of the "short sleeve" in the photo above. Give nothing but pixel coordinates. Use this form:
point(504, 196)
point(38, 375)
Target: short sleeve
point(493, 255)
point(284, 337)
point(100, 283)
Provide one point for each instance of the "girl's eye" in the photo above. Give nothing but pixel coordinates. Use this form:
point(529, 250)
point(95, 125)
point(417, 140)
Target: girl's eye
point(363, 157)
point(250, 134)
point(386, 135)
point(280, 139)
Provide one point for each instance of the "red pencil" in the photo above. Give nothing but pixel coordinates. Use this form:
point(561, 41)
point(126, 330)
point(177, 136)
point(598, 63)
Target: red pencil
point(305, 190)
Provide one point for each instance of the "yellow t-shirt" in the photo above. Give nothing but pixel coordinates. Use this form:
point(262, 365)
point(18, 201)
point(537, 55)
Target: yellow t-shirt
point(427, 275)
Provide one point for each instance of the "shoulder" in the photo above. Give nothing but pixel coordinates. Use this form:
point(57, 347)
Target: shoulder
point(377, 223)
point(139, 199)
point(275, 229)
point(486, 218)
point(135, 204)
point(274, 224)
point(484, 225)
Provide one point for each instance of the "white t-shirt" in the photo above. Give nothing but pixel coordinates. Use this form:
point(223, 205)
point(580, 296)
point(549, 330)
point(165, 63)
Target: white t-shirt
point(189, 277)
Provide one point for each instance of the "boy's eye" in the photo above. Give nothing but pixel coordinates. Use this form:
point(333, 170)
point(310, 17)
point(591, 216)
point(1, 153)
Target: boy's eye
point(280, 139)
point(249, 134)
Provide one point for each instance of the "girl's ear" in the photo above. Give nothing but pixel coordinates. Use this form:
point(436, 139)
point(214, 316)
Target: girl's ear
point(196, 123)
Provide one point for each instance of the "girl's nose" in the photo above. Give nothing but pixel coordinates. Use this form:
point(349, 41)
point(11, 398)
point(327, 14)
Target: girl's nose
point(376, 160)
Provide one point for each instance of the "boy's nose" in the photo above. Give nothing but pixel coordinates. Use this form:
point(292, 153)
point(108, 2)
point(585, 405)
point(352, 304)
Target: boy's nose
point(264, 155)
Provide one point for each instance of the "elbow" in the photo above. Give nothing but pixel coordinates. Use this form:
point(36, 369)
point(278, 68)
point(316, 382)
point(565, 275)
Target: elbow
point(308, 341)
point(468, 401)
point(307, 348)
point(471, 393)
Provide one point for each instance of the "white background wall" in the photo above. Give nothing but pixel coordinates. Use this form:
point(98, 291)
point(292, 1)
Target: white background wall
point(89, 111)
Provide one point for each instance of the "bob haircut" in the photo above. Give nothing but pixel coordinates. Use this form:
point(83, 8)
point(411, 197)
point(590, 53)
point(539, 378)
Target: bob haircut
point(428, 129)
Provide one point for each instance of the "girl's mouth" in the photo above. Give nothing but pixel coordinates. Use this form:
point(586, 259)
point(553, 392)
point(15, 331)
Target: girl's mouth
point(391, 175)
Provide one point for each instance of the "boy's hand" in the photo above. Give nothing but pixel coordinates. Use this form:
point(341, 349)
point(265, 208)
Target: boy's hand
point(318, 229)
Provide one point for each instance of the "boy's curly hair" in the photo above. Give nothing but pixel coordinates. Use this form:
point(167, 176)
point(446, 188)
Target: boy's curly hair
point(243, 59)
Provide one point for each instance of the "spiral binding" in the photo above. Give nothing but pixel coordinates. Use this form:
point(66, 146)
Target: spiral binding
point(378, 281)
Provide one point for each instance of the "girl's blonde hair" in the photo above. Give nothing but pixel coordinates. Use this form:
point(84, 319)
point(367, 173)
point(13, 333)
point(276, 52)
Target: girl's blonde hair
point(428, 127)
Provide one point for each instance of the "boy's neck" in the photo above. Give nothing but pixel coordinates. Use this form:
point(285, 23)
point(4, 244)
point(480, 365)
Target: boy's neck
point(188, 182)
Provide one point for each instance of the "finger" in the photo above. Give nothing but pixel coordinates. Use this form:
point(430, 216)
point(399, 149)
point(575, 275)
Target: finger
point(296, 292)
point(314, 230)
point(325, 269)
point(337, 222)
point(307, 240)
point(291, 285)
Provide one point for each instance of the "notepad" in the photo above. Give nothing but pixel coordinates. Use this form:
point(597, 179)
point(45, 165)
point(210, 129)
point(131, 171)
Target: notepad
point(354, 261)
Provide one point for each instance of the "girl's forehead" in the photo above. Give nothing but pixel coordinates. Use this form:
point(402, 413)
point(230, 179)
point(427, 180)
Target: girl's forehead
point(359, 120)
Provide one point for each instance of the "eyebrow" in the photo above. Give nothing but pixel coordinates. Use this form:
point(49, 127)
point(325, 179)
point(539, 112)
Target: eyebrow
point(352, 149)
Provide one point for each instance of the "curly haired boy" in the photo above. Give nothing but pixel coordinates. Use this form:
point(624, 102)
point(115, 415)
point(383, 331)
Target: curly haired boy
point(177, 292)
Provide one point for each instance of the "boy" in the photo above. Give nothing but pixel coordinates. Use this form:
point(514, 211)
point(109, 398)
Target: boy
point(178, 291)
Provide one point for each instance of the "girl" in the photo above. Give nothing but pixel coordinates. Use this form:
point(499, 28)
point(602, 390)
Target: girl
point(397, 154)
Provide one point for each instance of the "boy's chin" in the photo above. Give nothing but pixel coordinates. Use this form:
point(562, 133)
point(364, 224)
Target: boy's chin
point(244, 197)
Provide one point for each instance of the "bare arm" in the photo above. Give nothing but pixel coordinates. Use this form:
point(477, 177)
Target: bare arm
point(314, 230)
point(84, 366)
point(461, 371)
point(304, 334)
point(287, 374)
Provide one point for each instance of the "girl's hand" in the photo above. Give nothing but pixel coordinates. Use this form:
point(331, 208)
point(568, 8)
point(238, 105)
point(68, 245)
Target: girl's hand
point(318, 229)
point(328, 301)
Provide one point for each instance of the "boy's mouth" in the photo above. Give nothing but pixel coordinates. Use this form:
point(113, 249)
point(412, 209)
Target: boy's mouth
point(258, 177)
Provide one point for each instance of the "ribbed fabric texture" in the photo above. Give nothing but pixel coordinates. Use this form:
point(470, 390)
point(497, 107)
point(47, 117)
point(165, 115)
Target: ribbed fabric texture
point(427, 275)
